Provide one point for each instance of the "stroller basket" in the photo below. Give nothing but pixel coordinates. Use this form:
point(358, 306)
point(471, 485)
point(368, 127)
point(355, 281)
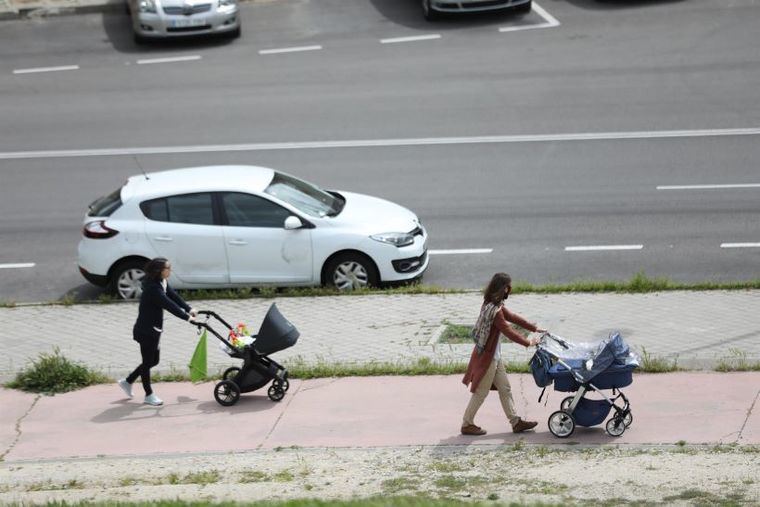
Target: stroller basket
point(591, 412)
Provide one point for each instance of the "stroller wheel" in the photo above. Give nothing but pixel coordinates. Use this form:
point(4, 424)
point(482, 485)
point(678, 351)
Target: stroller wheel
point(615, 427)
point(226, 393)
point(275, 392)
point(285, 385)
point(561, 424)
point(628, 419)
point(230, 373)
point(566, 403)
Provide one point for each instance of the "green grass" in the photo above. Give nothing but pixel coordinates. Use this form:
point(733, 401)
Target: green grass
point(736, 361)
point(54, 373)
point(652, 364)
point(378, 501)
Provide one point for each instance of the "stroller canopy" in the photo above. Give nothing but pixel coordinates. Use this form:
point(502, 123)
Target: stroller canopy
point(590, 359)
point(276, 333)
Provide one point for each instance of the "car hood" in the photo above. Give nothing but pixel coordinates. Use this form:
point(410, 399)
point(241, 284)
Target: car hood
point(375, 215)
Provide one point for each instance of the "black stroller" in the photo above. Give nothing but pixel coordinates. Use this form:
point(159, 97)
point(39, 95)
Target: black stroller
point(276, 333)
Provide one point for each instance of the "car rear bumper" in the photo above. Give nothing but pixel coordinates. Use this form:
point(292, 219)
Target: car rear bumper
point(99, 280)
point(474, 5)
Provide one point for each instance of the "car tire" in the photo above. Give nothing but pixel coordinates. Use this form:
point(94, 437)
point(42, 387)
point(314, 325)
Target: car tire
point(139, 39)
point(351, 270)
point(126, 279)
point(235, 34)
point(524, 8)
point(428, 12)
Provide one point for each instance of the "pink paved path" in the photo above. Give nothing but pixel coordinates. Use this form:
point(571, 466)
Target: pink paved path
point(360, 412)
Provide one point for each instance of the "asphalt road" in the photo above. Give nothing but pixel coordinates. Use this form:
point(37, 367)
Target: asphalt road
point(659, 84)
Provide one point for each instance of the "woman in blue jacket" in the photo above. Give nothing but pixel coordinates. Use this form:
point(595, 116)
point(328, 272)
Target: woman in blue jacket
point(156, 297)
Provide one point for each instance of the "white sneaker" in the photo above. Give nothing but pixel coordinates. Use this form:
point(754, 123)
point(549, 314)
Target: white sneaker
point(126, 387)
point(154, 400)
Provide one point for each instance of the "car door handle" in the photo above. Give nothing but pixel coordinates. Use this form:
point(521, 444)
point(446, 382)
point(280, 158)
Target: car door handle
point(163, 238)
point(238, 242)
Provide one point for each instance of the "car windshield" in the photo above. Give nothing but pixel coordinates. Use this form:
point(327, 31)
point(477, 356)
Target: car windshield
point(304, 196)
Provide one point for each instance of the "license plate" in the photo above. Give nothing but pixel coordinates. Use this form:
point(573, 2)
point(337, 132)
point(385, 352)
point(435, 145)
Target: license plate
point(182, 23)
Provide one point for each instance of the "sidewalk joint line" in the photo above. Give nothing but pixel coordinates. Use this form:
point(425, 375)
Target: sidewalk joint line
point(274, 426)
point(749, 414)
point(17, 428)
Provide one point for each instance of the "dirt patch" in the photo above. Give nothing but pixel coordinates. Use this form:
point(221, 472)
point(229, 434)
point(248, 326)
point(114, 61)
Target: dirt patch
point(518, 473)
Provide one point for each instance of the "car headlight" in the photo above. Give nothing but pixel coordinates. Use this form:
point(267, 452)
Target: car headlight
point(398, 239)
point(227, 3)
point(147, 6)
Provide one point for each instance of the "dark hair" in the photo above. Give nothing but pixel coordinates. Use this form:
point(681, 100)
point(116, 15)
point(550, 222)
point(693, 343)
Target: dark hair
point(494, 291)
point(154, 267)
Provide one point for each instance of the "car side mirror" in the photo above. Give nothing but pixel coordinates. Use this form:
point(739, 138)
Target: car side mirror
point(293, 222)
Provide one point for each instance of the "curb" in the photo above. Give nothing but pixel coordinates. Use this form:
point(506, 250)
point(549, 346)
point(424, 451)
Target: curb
point(14, 13)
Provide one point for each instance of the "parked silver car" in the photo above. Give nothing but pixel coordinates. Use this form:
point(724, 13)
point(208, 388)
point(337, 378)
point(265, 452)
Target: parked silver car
point(152, 19)
point(433, 9)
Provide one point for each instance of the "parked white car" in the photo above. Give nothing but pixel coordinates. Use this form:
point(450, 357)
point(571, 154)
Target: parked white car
point(155, 19)
point(237, 226)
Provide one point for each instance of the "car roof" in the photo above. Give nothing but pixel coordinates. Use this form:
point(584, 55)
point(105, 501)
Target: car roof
point(215, 178)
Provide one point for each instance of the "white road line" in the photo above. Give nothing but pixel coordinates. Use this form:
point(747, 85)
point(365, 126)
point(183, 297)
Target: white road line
point(550, 21)
point(591, 248)
point(740, 245)
point(289, 50)
point(17, 265)
point(461, 252)
point(708, 187)
point(375, 143)
point(171, 59)
point(46, 69)
point(413, 38)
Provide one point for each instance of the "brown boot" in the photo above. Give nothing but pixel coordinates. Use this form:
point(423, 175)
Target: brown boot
point(471, 429)
point(522, 425)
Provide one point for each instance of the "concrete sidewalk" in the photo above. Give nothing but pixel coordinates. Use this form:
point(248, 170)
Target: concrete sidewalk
point(696, 408)
point(696, 329)
point(15, 9)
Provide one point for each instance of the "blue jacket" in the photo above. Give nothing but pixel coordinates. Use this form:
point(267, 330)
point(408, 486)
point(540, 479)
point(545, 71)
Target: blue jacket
point(153, 302)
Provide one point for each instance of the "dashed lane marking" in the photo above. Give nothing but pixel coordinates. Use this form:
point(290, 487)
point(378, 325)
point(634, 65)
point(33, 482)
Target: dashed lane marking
point(17, 265)
point(46, 69)
point(413, 38)
point(591, 248)
point(461, 252)
point(708, 187)
point(172, 59)
point(740, 245)
point(289, 50)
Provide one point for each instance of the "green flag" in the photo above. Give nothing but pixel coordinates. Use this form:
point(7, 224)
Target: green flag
point(198, 364)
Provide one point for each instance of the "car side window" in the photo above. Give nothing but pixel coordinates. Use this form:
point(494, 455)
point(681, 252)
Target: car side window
point(246, 210)
point(182, 209)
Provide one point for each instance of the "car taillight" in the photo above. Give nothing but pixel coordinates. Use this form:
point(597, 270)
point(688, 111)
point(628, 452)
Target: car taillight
point(98, 230)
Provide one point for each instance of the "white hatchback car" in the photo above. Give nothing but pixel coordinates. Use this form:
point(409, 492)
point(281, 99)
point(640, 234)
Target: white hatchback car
point(237, 226)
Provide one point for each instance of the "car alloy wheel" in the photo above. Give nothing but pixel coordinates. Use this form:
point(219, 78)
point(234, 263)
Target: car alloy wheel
point(351, 271)
point(127, 280)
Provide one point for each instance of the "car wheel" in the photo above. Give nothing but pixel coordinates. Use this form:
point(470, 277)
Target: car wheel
point(524, 8)
point(428, 12)
point(351, 271)
point(126, 281)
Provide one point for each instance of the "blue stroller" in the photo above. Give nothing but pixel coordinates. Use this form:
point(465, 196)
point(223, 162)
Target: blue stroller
point(583, 368)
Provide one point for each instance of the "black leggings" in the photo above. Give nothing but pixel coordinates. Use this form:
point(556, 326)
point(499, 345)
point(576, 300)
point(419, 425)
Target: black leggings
point(150, 356)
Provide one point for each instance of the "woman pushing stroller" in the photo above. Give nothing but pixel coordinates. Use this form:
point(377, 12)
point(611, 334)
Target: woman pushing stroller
point(485, 370)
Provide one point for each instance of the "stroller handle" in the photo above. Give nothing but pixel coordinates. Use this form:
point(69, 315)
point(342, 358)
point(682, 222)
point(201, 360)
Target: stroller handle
point(557, 339)
point(209, 314)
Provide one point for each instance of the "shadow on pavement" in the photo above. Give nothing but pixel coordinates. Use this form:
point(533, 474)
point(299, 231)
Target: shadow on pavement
point(133, 410)
point(409, 13)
